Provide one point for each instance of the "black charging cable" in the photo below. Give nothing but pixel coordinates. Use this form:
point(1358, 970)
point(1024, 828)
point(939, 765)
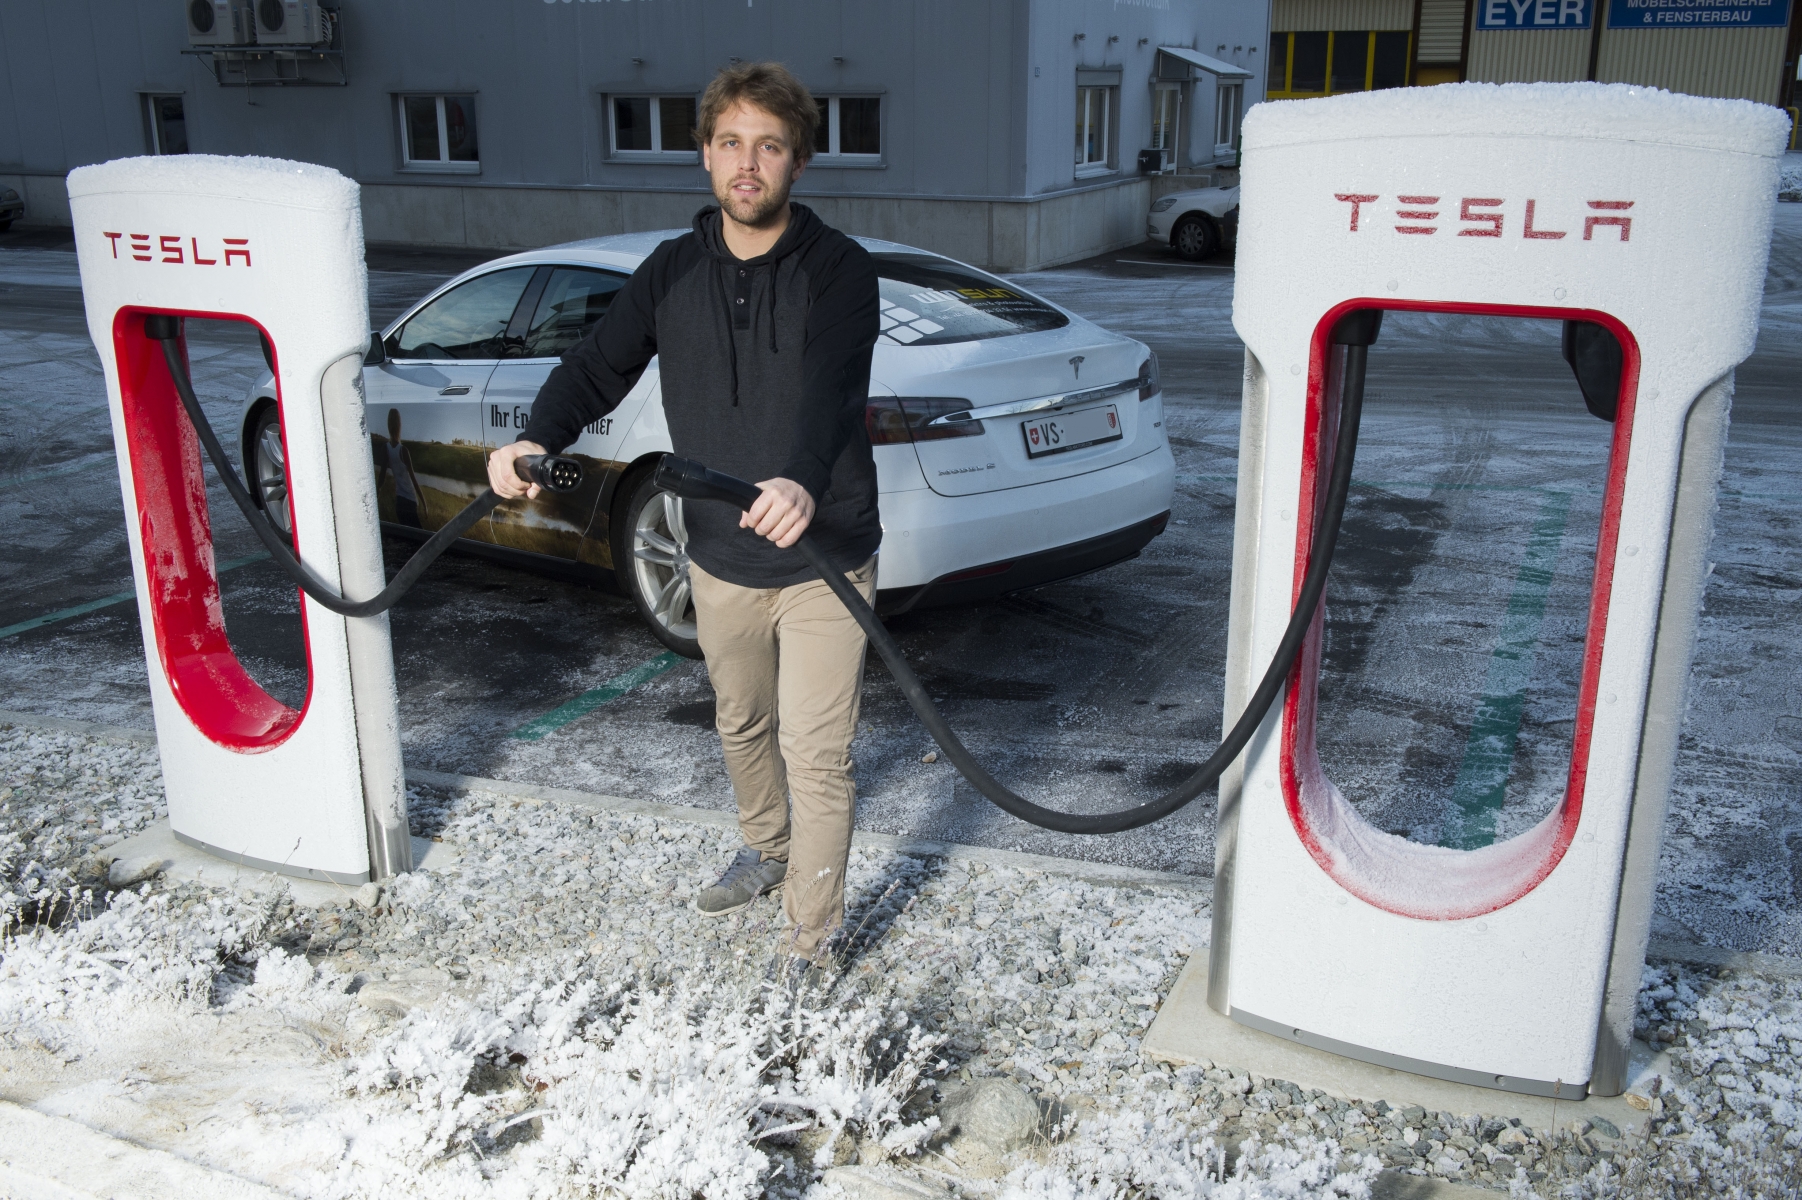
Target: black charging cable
point(555, 472)
point(1356, 332)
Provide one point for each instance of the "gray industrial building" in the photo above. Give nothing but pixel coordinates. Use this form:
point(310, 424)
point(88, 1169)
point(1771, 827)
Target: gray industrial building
point(1007, 133)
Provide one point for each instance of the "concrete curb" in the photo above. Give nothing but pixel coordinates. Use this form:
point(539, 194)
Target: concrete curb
point(1397, 1185)
point(106, 733)
point(53, 1158)
point(1104, 874)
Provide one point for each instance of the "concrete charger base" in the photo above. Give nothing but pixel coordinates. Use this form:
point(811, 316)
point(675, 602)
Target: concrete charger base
point(1187, 1032)
point(158, 851)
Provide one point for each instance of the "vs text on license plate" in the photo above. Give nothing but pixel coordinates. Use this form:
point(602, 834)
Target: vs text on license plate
point(1071, 430)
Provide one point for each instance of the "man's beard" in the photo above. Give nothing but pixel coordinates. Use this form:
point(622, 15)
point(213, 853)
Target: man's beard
point(753, 213)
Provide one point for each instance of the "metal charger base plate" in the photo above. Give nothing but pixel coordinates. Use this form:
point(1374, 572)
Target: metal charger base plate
point(1187, 1031)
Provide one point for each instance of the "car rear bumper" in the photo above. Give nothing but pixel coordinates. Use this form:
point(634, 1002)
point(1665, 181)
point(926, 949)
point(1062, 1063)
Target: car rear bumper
point(1033, 570)
point(966, 547)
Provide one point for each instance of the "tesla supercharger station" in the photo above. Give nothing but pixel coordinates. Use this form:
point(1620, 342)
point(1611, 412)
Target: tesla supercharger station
point(315, 791)
point(1514, 966)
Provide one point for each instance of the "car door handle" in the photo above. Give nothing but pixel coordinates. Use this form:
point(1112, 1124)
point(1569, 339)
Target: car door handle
point(459, 389)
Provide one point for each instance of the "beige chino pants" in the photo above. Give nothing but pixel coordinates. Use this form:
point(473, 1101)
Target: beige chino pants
point(787, 671)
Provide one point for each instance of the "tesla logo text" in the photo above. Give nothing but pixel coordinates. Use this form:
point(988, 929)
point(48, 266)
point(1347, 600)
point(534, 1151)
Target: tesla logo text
point(1484, 216)
point(169, 248)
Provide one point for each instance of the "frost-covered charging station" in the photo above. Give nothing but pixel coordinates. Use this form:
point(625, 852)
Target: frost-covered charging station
point(1639, 213)
point(315, 791)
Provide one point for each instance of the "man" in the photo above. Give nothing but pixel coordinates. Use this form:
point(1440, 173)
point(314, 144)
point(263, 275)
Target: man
point(764, 319)
point(398, 461)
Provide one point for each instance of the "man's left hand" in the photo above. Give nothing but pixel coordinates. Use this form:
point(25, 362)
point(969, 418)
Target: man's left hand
point(781, 514)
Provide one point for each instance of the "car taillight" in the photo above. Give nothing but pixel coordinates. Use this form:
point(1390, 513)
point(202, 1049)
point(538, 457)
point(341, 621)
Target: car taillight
point(1149, 382)
point(898, 420)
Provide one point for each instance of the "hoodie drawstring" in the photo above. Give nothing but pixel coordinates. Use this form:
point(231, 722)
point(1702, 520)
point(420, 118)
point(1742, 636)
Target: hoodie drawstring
point(775, 270)
point(731, 337)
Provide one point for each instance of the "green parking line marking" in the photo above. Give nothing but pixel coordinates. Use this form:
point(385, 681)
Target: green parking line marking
point(1489, 752)
point(592, 699)
point(81, 610)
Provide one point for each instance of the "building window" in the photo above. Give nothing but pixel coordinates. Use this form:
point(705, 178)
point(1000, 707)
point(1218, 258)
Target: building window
point(1228, 104)
point(166, 129)
point(850, 128)
point(1321, 63)
point(1389, 58)
point(438, 133)
point(1166, 109)
point(654, 126)
point(1094, 106)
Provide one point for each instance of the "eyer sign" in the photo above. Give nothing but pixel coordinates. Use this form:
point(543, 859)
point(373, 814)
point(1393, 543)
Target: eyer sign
point(1534, 14)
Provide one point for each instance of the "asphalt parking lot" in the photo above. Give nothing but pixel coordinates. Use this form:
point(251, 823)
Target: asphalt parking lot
point(1477, 496)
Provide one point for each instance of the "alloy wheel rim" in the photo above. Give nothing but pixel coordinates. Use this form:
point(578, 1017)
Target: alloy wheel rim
point(660, 564)
point(272, 478)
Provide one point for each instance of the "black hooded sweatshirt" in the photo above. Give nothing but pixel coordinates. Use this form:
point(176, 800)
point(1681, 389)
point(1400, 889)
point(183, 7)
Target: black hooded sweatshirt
point(766, 371)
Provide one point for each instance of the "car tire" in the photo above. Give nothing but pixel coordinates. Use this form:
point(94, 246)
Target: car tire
point(1195, 238)
point(267, 466)
point(650, 561)
point(6, 225)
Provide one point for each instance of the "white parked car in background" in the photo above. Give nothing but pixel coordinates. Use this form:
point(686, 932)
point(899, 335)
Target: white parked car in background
point(1195, 224)
point(1015, 442)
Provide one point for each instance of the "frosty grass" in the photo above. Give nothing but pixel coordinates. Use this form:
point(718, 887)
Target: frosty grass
point(576, 1030)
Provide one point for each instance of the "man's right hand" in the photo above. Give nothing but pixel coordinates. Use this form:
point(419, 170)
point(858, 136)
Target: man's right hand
point(501, 477)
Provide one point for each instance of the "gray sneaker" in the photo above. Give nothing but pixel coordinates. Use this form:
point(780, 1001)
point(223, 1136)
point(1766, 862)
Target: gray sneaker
point(746, 879)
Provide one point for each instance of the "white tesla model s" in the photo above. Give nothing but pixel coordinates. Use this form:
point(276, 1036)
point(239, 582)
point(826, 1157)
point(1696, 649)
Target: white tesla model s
point(1016, 443)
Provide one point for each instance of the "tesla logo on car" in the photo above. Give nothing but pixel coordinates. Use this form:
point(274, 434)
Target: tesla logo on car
point(167, 247)
point(1485, 216)
point(1076, 366)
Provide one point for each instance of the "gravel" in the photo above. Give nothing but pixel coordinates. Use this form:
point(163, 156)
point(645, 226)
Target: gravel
point(62, 798)
point(950, 972)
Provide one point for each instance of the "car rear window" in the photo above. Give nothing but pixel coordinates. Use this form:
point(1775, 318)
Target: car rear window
point(929, 301)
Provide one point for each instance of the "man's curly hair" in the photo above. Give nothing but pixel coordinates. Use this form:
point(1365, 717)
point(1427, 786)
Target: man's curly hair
point(771, 87)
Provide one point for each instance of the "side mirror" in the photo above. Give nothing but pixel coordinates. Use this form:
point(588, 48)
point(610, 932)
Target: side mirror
point(377, 352)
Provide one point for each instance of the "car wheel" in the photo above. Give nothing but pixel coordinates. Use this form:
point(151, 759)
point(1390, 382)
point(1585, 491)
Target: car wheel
point(269, 471)
point(650, 560)
point(6, 225)
point(1195, 238)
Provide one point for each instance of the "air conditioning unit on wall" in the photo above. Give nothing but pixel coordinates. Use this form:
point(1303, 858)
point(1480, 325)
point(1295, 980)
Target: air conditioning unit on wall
point(219, 22)
point(291, 23)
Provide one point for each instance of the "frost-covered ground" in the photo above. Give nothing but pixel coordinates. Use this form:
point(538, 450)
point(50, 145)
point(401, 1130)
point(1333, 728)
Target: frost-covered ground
point(545, 1016)
point(1790, 178)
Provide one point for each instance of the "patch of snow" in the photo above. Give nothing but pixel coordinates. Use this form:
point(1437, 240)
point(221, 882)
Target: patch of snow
point(588, 1034)
point(1602, 111)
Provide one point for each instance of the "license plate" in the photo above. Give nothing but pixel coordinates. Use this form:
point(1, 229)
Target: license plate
point(1071, 430)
